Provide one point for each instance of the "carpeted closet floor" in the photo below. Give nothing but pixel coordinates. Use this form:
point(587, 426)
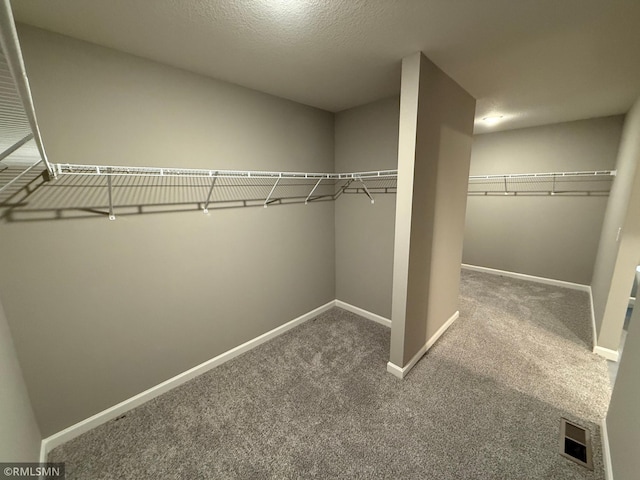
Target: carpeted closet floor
point(317, 402)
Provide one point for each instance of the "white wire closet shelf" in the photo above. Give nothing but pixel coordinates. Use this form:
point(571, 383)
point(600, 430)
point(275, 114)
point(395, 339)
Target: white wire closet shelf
point(210, 187)
point(87, 190)
point(76, 169)
point(592, 182)
point(135, 187)
point(17, 166)
point(21, 147)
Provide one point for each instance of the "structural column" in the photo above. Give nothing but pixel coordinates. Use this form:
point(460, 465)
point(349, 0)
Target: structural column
point(434, 149)
point(619, 248)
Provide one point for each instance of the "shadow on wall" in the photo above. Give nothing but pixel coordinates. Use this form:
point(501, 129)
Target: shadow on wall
point(73, 197)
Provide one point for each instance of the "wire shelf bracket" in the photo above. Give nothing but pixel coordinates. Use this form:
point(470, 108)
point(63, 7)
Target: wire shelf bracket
point(308, 199)
point(109, 189)
point(366, 190)
point(213, 184)
point(268, 199)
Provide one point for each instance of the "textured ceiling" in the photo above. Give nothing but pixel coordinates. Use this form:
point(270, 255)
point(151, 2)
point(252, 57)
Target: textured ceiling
point(532, 61)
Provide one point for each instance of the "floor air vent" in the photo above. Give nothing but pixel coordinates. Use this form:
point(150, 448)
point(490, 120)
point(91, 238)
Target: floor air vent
point(575, 443)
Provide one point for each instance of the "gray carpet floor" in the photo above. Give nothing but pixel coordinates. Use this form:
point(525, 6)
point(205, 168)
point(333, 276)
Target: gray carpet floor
point(484, 403)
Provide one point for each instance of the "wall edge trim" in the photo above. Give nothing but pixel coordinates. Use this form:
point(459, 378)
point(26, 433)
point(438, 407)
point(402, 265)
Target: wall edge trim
point(83, 426)
point(531, 278)
point(594, 330)
point(606, 451)
point(402, 372)
point(364, 313)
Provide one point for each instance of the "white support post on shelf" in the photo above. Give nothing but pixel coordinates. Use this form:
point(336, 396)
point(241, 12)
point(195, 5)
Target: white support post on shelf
point(366, 190)
point(111, 215)
point(266, 202)
point(213, 183)
point(312, 190)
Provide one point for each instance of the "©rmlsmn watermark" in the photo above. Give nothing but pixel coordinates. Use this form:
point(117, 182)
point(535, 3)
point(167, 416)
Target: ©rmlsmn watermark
point(22, 470)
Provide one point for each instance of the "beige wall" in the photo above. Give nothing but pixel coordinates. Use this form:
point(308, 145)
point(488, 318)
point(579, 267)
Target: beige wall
point(19, 434)
point(436, 125)
point(366, 138)
point(103, 310)
point(553, 237)
point(623, 417)
point(618, 254)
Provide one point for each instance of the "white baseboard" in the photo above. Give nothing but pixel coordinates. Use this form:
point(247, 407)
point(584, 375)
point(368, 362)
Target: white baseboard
point(606, 353)
point(395, 370)
point(402, 372)
point(364, 313)
point(606, 452)
point(442, 329)
point(531, 278)
point(104, 416)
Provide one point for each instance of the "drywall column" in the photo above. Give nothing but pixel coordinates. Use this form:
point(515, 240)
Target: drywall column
point(19, 434)
point(619, 248)
point(434, 150)
point(623, 418)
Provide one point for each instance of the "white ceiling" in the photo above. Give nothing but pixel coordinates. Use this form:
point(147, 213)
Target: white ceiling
point(532, 61)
